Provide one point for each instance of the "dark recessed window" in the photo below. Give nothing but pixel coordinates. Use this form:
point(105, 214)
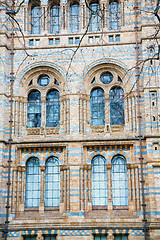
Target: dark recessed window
point(106, 77)
point(43, 80)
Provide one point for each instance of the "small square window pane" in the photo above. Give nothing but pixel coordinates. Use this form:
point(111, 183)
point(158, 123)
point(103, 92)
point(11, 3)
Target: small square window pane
point(77, 40)
point(117, 38)
point(31, 42)
point(50, 41)
point(70, 40)
point(110, 38)
point(57, 41)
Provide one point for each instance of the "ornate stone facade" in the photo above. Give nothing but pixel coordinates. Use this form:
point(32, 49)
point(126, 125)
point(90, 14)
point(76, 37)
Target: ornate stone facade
point(74, 63)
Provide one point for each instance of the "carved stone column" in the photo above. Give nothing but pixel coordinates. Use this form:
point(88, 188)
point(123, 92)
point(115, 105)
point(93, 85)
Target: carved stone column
point(109, 187)
point(65, 191)
point(23, 169)
point(41, 205)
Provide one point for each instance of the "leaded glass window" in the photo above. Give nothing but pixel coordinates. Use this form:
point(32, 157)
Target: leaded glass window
point(32, 183)
point(52, 187)
point(43, 80)
point(50, 238)
point(74, 17)
point(116, 106)
point(119, 181)
point(36, 20)
point(55, 18)
point(113, 14)
point(34, 109)
point(97, 102)
point(53, 109)
point(94, 17)
point(99, 181)
point(121, 237)
point(100, 237)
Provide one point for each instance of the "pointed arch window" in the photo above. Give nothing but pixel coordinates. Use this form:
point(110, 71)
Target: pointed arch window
point(74, 17)
point(97, 102)
point(34, 109)
point(94, 16)
point(99, 181)
point(119, 181)
point(113, 14)
point(117, 106)
point(35, 19)
point(32, 197)
point(55, 18)
point(52, 184)
point(53, 109)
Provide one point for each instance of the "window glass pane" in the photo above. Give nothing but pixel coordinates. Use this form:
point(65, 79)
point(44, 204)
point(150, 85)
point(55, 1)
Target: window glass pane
point(55, 18)
point(36, 20)
point(34, 109)
point(97, 102)
point(99, 182)
point(121, 237)
point(43, 80)
point(113, 14)
point(94, 17)
point(74, 17)
point(116, 106)
point(119, 181)
point(100, 237)
point(32, 183)
point(106, 77)
point(52, 187)
point(50, 238)
point(29, 238)
point(53, 109)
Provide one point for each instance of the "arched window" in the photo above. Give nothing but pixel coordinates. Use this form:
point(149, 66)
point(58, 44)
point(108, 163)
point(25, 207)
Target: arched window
point(99, 181)
point(97, 102)
point(32, 183)
point(119, 181)
point(35, 19)
point(55, 18)
point(53, 109)
point(94, 16)
point(34, 109)
point(113, 14)
point(52, 188)
point(74, 17)
point(116, 106)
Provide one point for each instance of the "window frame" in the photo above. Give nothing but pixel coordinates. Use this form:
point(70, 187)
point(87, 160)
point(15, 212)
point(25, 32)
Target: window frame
point(51, 178)
point(105, 197)
point(100, 105)
point(34, 118)
point(33, 186)
point(33, 19)
point(74, 15)
point(94, 25)
point(54, 16)
point(113, 24)
point(116, 182)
